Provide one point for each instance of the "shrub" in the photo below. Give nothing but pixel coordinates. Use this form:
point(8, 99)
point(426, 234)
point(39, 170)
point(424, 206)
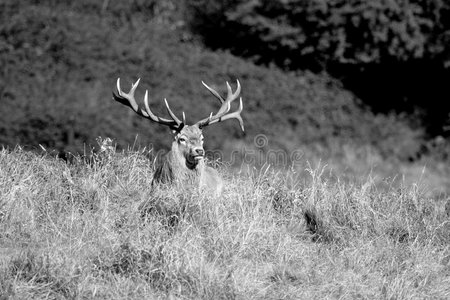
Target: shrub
point(314, 33)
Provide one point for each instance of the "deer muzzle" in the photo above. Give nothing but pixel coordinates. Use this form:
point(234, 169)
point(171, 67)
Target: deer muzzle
point(198, 153)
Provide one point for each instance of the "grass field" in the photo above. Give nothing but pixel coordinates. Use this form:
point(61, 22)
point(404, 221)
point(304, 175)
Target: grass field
point(93, 228)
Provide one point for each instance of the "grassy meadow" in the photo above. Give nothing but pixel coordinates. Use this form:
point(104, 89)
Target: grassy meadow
point(93, 228)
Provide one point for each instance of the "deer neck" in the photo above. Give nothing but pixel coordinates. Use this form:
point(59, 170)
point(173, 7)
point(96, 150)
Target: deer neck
point(185, 171)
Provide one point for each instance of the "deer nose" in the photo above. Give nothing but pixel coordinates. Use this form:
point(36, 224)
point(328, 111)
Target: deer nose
point(199, 151)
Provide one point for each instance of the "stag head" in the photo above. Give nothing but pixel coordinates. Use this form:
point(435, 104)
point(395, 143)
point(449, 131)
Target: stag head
point(188, 143)
point(188, 139)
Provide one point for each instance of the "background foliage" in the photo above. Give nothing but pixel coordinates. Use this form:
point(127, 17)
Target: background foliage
point(393, 54)
point(316, 33)
point(60, 61)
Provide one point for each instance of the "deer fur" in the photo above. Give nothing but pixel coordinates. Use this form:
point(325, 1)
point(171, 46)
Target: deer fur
point(181, 167)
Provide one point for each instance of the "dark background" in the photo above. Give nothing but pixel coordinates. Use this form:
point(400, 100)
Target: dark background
point(320, 75)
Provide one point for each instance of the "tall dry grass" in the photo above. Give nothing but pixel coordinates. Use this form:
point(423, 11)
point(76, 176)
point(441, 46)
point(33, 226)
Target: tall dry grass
point(93, 228)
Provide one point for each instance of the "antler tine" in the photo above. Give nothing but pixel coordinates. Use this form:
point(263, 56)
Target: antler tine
point(172, 115)
point(128, 99)
point(230, 98)
point(134, 86)
point(233, 115)
point(223, 114)
point(147, 107)
point(236, 93)
point(151, 115)
point(214, 92)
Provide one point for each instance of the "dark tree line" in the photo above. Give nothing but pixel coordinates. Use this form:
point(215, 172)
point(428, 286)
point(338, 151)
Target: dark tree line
point(394, 54)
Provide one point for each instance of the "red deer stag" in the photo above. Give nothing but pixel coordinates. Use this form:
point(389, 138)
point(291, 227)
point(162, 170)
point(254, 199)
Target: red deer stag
point(184, 164)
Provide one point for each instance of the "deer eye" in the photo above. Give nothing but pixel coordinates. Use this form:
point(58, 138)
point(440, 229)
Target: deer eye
point(182, 140)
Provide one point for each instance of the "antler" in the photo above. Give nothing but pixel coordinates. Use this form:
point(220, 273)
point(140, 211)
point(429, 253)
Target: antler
point(223, 114)
point(127, 99)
